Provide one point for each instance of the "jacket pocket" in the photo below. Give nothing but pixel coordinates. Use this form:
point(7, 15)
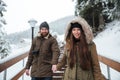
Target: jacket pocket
point(34, 67)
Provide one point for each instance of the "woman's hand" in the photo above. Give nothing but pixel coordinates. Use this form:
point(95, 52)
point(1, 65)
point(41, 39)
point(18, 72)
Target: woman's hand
point(27, 72)
point(54, 68)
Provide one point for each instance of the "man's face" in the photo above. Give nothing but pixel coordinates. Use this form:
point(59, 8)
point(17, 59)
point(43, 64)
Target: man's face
point(44, 32)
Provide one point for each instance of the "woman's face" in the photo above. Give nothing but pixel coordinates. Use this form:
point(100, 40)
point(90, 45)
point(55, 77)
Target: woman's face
point(76, 33)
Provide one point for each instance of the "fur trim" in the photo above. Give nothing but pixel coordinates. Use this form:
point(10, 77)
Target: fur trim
point(39, 35)
point(85, 26)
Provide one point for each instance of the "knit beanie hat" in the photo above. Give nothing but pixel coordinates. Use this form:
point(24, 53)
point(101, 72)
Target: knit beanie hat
point(44, 24)
point(76, 25)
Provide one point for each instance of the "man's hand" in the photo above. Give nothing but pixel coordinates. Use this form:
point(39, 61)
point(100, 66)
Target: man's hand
point(54, 68)
point(27, 72)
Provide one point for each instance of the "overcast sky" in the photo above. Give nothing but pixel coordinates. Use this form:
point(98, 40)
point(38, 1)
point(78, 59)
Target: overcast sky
point(20, 11)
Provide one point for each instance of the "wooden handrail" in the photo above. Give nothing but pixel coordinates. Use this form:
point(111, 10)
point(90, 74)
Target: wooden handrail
point(17, 76)
point(113, 64)
point(11, 62)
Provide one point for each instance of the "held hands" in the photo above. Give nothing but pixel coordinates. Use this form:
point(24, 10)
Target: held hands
point(54, 68)
point(27, 72)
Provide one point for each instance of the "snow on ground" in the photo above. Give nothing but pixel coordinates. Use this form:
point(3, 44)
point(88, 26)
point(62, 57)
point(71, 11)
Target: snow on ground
point(108, 41)
point(17, 49)
point(108, 45)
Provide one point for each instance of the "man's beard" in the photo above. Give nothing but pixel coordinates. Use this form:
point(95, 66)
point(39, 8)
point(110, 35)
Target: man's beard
point(44, 34)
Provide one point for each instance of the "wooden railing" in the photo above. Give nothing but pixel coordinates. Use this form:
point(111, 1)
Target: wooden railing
point(11, 62)
point(109, 62)
point(3, 66)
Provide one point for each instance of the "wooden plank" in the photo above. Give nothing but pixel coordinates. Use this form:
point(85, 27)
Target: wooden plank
point(17, 76)
point(111, 63)
point(58, 73)
point(11, 62)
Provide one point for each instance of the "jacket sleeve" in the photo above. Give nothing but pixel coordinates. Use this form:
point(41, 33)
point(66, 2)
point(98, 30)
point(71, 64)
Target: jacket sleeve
point(62, 61)
point(30, 56)
point(55, 52)
point(95, 64)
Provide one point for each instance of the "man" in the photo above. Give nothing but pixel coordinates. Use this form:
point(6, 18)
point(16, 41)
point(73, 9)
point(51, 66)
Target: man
point(43, 55)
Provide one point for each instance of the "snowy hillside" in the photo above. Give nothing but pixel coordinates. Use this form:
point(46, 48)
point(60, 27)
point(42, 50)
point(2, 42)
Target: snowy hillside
point(108, 45)
point(60, 25)
point(108, 41)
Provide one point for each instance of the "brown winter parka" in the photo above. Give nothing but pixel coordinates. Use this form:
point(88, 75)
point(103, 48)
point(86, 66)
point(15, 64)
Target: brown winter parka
point(77, 73)
point(44, 53)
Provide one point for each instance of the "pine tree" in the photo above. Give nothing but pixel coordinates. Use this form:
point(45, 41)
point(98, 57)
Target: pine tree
point(117, 11)
point(4, 45)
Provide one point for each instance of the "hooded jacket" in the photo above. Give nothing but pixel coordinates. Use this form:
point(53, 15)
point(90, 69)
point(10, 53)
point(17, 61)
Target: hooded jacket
point(78, 73)
point(44, 53)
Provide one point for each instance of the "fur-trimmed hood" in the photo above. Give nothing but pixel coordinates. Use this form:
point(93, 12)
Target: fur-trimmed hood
point(85, 26)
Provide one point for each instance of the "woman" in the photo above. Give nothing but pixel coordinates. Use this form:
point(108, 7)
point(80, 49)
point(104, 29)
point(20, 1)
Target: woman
point(80, 54)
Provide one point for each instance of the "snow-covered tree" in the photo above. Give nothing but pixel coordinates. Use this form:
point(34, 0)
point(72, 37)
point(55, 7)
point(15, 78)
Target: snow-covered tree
point(117, 11)
point(90, 8)
point(96, 12)
point(4, 45)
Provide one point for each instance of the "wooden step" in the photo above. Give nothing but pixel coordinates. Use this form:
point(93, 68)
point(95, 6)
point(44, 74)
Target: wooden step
point(58, 75)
